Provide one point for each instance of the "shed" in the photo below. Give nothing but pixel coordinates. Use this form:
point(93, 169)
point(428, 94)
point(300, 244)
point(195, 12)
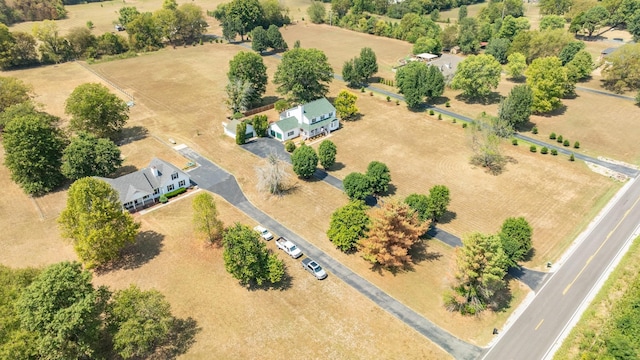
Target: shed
point(231, 126)
point(426, 56)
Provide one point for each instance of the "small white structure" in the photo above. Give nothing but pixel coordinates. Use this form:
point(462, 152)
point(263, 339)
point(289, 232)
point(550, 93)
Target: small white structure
point(311, 119)
point(145, 186)
point(231, 126)
point(426, 57)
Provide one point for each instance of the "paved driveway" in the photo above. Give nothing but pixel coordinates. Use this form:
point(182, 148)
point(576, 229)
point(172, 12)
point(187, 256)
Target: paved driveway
point(211, 177)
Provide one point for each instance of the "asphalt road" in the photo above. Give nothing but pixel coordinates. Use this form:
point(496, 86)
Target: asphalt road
point(541, 327)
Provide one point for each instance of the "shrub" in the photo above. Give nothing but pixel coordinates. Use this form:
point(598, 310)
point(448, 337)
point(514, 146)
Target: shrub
point(163, 199)
point(572, 158)
point(544, 150)
point(447, 104)
point(514, 142)
point(238, 115)
point(362, 89)
point(174, 193)
point(554, 152)
point(397, 102)
point(566, 143)
point(281, 105)
point(381, 80)
point(289, 146)
point(370, 93)
point(533, 148)
point(576, 145)
point(388, 98)
point(464, 125)
point(431, 112)
point(552, 136)
point(559, 139)
point(439, 116)
point(453, 120)
point(534, 130)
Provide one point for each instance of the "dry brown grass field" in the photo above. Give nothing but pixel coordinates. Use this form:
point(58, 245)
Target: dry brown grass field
point(556, 196)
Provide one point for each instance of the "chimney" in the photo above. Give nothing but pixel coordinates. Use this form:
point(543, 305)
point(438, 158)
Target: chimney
point(154, 171)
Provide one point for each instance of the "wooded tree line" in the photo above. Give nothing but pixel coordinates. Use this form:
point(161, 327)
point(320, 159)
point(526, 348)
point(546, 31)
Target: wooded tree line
point(240, 17)
point(57, 313)
point(39, 153)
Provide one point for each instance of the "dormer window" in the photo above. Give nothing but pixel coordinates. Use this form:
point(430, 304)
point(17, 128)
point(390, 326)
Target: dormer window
point(174, 176)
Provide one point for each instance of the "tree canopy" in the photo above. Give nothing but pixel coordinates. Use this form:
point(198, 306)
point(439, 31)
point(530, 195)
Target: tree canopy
point(247, 259)
point(357, 186)
point(93, 219)
point(515, 109)
point(348, 225)
point(516, 65)
point(13, 91)
point(63, 309)
point(33, 147)
point(96, 110)
point(515, 236)
point(139, 321)
point(305, 161)
point(481, 268)
point(205, 217)
point(477, 76)
point(547, 79)
point(394, 230)
point(303, 75)
point(327, 153)
point(345, 104)
point(88, 155)
point(418, 80)
point(379, 177)
point(622, 69)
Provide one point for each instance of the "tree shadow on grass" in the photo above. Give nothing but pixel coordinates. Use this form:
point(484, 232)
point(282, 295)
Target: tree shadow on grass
point(181, 337)
point(501, 300)
point(282, 285)
point(440, 100)
point(336, 167)
point(493, 98)
point(147, 246)
point(391, 190)
point(131, 134)
point(557, 112)
point(447, 217)
point(124, 170)
point(419, 253)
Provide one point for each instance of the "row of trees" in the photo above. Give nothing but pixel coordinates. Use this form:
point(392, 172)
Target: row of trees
point(39, 153)
point(240, 17)
point(482, 263)
point(12, 12)
point(262, 39)
point(387, 236)
point(57, 313)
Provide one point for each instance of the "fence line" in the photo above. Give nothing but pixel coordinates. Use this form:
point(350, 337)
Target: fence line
point(84, 65)
point(259, 109)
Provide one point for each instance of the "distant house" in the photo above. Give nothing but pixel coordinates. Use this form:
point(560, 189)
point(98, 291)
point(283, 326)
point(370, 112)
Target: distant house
point(231, 126)
point(426, 57)
point(308, 120)
point(143, 187)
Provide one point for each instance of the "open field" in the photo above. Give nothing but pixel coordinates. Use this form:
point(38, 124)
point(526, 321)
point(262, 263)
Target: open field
point(186, 105)
point(588, 332)
point(316, 319)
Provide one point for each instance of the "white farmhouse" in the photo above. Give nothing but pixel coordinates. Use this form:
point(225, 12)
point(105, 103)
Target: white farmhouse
point(308, 120)
point(143, 187)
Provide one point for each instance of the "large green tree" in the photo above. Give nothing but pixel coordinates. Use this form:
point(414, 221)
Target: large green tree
point(94, 109)
point(481, 268)
point(418, 80)
point(249, 67)
point(379, 177)
point(477, 76)
point(63, 309)
point(145, 34)
point(357, 186)
point(15, 341)
point(327, 153)
point(88, 155)
point(33, 147)
point(547, 79)
point(316, 12)
point(93, 219)
point(622, 69)
point(368, 63)
point(420, 204)
point(247, 258)
point(498, 48)
point(205, 217)
point(276, 41)
point(348, 225)
point(244, 15)
point(303, 75)
point(139, 321)
point(468, 36)
point(394, 230)
point(515, 236)
point(304, 160)
point(554, 7)
point(515, 109)
point(13, 91)
point(439, 199)
point(516, 65)
point(345, 104)
point(259, 39)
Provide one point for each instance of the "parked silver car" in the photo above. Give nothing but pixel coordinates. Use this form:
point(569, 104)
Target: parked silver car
point(314, 268)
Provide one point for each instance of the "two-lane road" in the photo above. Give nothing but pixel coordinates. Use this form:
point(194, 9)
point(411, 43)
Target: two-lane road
point(555, 308)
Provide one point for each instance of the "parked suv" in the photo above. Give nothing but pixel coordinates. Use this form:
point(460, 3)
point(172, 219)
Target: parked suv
point(314, 268)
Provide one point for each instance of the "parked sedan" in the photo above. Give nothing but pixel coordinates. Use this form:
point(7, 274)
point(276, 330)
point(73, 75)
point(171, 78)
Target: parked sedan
point(314, 268)
point(264, 233)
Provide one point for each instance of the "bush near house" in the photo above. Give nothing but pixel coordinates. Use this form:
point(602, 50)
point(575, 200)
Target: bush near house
point(175, 193)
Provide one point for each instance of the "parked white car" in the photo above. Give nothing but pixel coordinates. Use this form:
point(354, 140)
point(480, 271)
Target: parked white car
point(264, 233)
point(288, 247)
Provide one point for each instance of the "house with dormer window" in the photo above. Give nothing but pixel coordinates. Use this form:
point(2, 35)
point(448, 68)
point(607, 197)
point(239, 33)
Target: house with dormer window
point(145, 186)
point(308, 120)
